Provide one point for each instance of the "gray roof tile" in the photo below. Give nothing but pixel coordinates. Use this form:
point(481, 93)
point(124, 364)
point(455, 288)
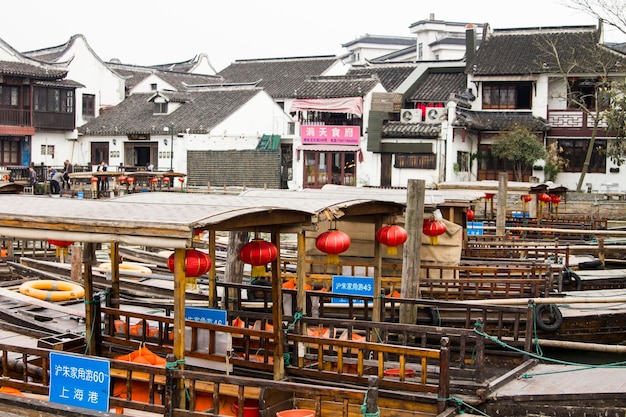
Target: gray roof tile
point(499, 120)
point(278, 76)
point(336, 86)
point(437, 86)
point(390, 75)
point(411, 130)
point(199, 112)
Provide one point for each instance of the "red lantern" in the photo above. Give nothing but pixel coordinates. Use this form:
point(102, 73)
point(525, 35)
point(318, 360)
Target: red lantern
point(94, 179)
point(131, 180)
point(196, 263)
point(469, 215)
point(154, 180)
point(122, 179)
point(526, 198)
point(258, 253)
point(392, 236)
point(555, 199)
point(544, 198)
point(489, 196)
point(181, 180)
point(433, 228)
point(166, 180)
point(61, 246)
point(332, 242)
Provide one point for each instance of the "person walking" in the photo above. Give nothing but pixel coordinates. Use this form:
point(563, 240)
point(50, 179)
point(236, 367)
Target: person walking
point(32, 179)
point(103, 181)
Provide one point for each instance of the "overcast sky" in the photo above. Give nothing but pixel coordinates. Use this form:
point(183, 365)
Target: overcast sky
point(146, 32)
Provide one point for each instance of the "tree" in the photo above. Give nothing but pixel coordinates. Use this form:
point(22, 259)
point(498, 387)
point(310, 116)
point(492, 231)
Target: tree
point(615, 118)
point(586, 68)
point(611, 12)
point(521, 147)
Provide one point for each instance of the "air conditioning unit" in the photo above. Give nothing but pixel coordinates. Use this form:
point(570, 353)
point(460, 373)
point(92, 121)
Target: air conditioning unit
point(410, 116)
point(434, 114)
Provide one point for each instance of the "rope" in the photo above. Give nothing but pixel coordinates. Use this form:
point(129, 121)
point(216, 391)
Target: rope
point(296, 317)
point(581, 366)
point(460, 403)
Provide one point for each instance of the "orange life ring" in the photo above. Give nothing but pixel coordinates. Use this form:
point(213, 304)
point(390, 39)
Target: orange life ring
point(51, 290)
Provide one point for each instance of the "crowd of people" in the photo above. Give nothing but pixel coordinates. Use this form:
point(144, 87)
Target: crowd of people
point(59, 180)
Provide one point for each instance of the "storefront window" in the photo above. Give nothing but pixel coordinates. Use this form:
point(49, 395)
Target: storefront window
point(329, 168)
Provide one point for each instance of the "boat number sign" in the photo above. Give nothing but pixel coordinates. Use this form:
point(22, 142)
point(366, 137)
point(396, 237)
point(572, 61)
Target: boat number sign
point(206, 315)
point(352, 286)
point(79, 381)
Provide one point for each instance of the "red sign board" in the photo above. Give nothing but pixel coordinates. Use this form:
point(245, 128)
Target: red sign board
point(334, 135)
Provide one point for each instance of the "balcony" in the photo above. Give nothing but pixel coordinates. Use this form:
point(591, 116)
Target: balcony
point(14, 117)
point(55, 121)
point(574, 123)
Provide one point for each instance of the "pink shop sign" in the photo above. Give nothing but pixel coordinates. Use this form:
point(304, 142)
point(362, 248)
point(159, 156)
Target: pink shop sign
point(336, 135)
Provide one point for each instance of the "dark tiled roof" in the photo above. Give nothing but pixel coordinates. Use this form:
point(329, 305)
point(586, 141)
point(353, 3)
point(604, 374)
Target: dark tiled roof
point(200, 113)
point(527, 51)
point(411, 130)
point(390, 75)
point(338, 86)
point(59, 83)
point(437, 86)
point(409, 51)
point(382, 40)
point(499, 120)
point(278, 76)
point(134, 74)
point(23, 69)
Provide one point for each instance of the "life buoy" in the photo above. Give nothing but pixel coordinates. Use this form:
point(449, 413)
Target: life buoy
point(571, 280)
point(551, 314)
point(127, 267)
point(51, 290)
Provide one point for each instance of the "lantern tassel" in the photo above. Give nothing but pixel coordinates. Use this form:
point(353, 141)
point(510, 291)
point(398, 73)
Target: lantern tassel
point(258, 271)
point(392, 250)
point(332, 258)
point(434, 240)
point(191, 283)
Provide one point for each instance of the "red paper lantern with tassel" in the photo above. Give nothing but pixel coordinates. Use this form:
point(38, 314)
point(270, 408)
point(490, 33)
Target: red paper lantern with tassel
point(196, 263)
point(258, 253)
point(392, 236)
point(544, 198)
point(433, 228)
point(332, 243)
point(61, 246)
point(469, 215)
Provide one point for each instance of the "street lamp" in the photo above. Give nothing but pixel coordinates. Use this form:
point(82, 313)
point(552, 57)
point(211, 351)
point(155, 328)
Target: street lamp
point(171, 130)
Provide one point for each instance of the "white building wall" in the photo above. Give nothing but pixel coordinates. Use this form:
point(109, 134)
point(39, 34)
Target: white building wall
point(145, 85)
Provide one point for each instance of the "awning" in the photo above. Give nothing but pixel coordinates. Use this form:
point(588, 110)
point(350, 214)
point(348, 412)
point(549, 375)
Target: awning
point(269, 143)
point(352, 105)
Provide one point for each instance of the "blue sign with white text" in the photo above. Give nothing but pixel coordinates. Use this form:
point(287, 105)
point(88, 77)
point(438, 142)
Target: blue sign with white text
point(80, 381)
point(475, 228)
point(352, 286)
point(206, 315)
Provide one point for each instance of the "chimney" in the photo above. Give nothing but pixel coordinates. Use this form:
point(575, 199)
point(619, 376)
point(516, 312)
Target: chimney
point(432, 16)
point(470, 45)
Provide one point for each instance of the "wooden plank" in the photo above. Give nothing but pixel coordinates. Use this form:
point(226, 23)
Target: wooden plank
point(40, 303)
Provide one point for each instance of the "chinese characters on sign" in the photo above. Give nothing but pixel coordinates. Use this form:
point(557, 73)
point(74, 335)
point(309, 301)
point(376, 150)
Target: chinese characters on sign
point(79, 381)
point(352, 286)
point(206, 315)
point(334, 135)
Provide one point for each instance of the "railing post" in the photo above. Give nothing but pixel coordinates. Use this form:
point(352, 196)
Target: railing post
point(97, 325)
point(479, 359)
point(444, 375)
point(170, 395)
point(530, 328)
point(371, 403)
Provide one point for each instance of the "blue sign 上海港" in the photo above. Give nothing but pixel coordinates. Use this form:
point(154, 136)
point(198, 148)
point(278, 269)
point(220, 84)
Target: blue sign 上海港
point(475, 228)
point(206, 315)
point(352, 286)
point(80, 381)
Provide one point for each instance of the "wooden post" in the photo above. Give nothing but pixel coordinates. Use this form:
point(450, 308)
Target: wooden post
point(277, 311)
point(170, 386)
point(301, 275)
point(502, 196)
point(97, 325)
point(89, 258)
point(212, 271)
point(371, 405)
point(378, 264)
point(444, 375)
point(411, 253)
point(179, 314)
point(601, 254)
point(479, 359)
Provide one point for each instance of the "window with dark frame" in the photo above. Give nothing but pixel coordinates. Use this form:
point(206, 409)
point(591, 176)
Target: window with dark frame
point(575, 151)
point(415, 160)
point(505, 96)
point(89, 105)
point(462, 161)
point(160, 108)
